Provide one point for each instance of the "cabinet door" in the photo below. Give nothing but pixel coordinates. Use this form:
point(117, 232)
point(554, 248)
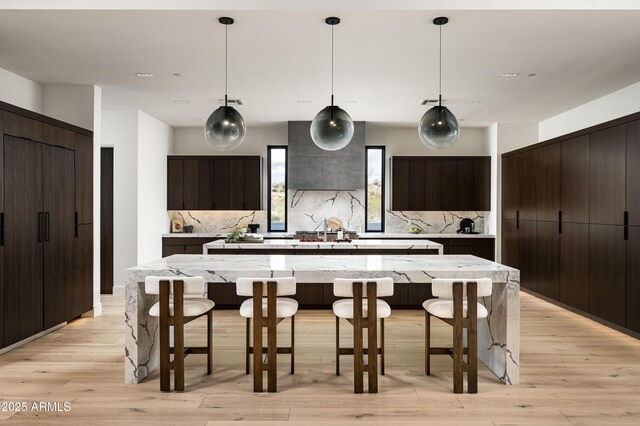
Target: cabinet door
point(221, 184)
point(190, 185)
point(81, 298)
point(417, 180)
point(548, 259)
point(205, 184)
point(84, 178)
point(607, 192)
point(465, 186)
point(548, 175)
point(170, 250)
point(400, 183)
point(433, 184)
point(527, 262)
point(236, 182)
point(509, 243)
point(175, 181)
point(450, 195)
point(253, 183)
point(23, 246)
point(633, 172)
point(574, 265)
point(575, 180)
point(59, 245)
point(482, 185)
point(607, 273)
point(633, 279)
point(509, 177)
point(22, 127)
point(527, 192)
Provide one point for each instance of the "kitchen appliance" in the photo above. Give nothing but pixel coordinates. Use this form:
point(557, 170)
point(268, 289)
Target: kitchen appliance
point(467, 226)
point(253, 227)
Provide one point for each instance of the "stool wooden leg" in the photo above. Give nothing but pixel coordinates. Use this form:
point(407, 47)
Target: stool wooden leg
point(272, 340)
point(472, 340)
point(293, 346)
point(165, 370)
point(358, 367)
point(427, 343)
point(209, 342)
point(247, 345)
point(382, 345)
point(178, 356)
point(337, 346)
point(257, 340)
point(458, 348)
point(372, 338)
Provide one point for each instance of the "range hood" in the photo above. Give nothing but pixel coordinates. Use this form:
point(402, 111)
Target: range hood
point(312, 168)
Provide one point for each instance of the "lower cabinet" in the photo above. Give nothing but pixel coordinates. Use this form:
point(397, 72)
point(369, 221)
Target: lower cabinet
point(480, 247)
point(81, 298)
point(184, 245)
point(607, 287)
point(633, 279)
point(574, 265)
point(548, 259)
point(527, 261)
point(509, 243)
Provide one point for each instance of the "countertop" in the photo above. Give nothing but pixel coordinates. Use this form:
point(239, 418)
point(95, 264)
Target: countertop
point(223, 235)
point(417, 244)
point(362, 235)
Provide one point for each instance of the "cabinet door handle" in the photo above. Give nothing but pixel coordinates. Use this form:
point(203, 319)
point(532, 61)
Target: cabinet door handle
point(46, 226)
point(517, 219)
point(626, 226)
point(75, 224)
point(2, 229)
point(559, 221)
point(40, 227)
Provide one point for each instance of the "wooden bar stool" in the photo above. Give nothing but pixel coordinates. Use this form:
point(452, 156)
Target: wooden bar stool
point(181, 301)
point(457, 305)
point(269, 314)
point(362, 314)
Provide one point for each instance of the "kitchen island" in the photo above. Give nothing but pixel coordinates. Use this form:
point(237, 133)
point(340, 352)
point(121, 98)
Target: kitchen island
point(498, 335)
point(369, 246)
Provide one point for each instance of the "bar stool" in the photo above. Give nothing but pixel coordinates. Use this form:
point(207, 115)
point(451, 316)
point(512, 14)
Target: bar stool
point(268, 314)
point(182, 300)
point(457, 305)
point(362, 314)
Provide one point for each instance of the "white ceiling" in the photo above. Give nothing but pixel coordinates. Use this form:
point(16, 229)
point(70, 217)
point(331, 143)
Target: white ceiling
point(385, 60)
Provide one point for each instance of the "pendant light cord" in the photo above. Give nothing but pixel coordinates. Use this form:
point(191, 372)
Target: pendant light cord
point(332, 65)
point(226, 61)
point(440, 76)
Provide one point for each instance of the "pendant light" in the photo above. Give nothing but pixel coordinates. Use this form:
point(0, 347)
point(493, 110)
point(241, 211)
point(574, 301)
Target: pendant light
point(225, 127)
point(438, 128)
point(332, 128)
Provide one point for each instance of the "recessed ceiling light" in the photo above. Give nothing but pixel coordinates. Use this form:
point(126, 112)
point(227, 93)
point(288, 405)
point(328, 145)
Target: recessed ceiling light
point(531, 75)
point(471, 102)
point(181, 101)
point(177, 74)
point(303, 101)
point(509, 74)
point(144, 74)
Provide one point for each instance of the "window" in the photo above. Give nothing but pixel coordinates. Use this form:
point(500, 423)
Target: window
point(374, 203)
point(277, 181)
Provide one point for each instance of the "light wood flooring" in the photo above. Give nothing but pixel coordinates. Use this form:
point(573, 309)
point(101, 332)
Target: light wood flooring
point(572, 371)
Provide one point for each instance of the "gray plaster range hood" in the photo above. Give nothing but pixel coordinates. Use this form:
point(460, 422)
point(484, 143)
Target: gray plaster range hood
point(312, 168)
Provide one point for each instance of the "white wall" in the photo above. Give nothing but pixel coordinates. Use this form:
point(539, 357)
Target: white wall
point(96, 108)
point(155, 142)
point(19, 91)
point(614, 105)
point(71, 103)
point(120, 131)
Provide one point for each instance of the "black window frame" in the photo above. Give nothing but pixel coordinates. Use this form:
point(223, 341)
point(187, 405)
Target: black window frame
point(286, 187)
point(366, 186)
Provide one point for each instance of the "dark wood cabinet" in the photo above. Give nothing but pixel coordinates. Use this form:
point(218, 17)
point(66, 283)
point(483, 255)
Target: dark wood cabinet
point(575, 180)
point(547, 186)
point(509, 243)
point(480, 247)
point(607, 175)
point(441, 183)
point(607, 273)
point(214, 183)
point(184, 245)
point(21, 126)
point(633, 172)
point(548, 259)
point(574, 265)
point(81, 298)
point(527, 261)
point(633, 279)
point(527, 180)
point(510, 187)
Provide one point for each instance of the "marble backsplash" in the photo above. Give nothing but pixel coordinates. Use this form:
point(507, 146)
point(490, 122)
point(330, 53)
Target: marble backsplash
point(431, 222)
point(220, 220)
point(308, 209)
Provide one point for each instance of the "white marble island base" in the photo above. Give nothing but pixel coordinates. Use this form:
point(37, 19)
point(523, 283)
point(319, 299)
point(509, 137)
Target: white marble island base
point(498, 335)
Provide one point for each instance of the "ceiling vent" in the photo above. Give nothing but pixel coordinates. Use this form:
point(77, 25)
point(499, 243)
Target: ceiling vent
point(431, 102)
point(231, 101)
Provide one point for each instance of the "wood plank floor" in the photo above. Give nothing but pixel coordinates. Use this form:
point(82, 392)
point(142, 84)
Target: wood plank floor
point(572, 371)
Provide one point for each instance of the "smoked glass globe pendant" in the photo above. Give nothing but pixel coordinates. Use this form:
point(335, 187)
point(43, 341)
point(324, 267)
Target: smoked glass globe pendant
point(225, 128)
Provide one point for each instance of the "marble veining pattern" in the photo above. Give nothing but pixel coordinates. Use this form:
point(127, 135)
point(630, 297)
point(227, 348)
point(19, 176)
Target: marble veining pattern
point(308, 209)
point(220, 221)
point(498, 335)
point(293, 244)
point(444, 222)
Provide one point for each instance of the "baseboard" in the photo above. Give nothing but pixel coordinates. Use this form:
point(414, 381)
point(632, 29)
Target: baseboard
point(118, 290)
point(31, 338)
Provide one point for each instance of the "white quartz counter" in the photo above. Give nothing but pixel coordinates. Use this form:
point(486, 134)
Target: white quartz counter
point(368, 244)
point(498, 335)
point(368, 235)
point(223, 235)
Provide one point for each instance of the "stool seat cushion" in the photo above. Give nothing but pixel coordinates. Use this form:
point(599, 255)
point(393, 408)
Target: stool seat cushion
point(343, 308)
point(285, 307)
point(443, 308)
point(193, 307)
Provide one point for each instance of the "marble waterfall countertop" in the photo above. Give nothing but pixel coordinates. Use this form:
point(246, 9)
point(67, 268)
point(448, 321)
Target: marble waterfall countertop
point(498, 335)
point(279, 244)
point(368, 235)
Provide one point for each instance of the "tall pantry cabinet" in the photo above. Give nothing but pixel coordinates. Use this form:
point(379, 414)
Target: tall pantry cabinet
point(46, 225)
point(571, 220)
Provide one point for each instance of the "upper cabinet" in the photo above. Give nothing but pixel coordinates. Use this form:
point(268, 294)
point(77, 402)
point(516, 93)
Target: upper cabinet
point(633, 172)
point(547, 187)
point(441, 183)
point(214, 183)
point(607, 175)
point(575, 180)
